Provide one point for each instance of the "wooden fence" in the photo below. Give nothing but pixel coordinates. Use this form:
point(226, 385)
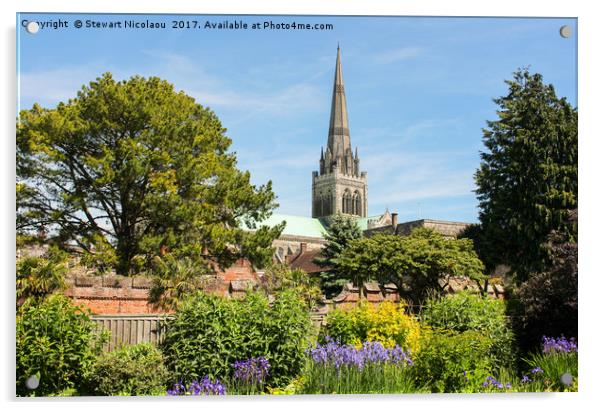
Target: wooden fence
point(132, 329)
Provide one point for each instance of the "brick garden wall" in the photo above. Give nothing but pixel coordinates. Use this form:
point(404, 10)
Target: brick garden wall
point(113, 294)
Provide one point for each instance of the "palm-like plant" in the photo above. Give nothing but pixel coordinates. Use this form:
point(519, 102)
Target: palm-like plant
point(174, 278)
point(38, 277)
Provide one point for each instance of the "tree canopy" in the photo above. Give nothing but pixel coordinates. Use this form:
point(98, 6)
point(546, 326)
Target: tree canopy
point(339, 232)
point(421, 258)
point(133, 169)
point(527, 181)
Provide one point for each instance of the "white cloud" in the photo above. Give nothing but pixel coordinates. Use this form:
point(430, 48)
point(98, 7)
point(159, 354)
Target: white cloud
point(52, 86)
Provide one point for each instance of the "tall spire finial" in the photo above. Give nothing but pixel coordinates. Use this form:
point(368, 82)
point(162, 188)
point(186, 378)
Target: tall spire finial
point(338, 132)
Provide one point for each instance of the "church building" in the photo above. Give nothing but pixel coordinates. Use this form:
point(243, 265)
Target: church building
point(340, 186)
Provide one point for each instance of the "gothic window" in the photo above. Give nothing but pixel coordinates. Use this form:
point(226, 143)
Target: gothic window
point(347, 203)
point(357, 203)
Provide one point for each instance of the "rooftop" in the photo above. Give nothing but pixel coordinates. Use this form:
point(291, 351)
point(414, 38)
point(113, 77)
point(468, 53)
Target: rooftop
point(307, 226)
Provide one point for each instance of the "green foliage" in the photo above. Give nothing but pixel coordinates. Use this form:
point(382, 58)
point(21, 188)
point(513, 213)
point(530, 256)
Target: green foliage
point(547, 301)
point(174, 278)
point(279, 277)
point(527, 181)
point(387, 323)
point(38, 277)
point(554, 365)
point(136, 370)
point(209, 333)
point(56, 341)
point(449, 362)
point(423, 257)
point(469, 312)
point(340, 231)
point(127, 169)
point(483, 245)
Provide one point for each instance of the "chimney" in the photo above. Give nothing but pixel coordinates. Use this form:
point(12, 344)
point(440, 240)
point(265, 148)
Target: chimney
point(303, 248)
point(394, 220)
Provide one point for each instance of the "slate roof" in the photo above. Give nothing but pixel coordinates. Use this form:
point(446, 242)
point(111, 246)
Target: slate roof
point(305, 261)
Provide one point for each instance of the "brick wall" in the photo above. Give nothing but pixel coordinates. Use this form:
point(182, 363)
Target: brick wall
point(113, 294)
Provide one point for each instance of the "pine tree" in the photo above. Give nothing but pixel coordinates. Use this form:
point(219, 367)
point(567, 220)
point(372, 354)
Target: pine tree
point(131, 170)
point(527, 181)
point(340, 231)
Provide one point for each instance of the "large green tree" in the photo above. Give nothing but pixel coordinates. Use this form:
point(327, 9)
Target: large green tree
point(340, 231)
point(133, 169)
point(527, 181)
point(419, 259)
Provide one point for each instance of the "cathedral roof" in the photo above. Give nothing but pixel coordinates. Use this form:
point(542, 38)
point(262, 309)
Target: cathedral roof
point(297, 225)
point(309, 227)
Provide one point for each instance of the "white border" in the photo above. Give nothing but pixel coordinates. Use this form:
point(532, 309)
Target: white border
point(589, 106)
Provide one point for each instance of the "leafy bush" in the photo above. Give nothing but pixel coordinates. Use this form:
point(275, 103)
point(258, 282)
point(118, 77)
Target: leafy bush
point(420, 260)
point(452, 362)
point(57, 342)
point(210, 333)
point(464, 311)
point(387, 323)
point(136, 370)
point(548, 300)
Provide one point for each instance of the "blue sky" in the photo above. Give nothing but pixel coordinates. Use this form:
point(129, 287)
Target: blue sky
point(419, 91)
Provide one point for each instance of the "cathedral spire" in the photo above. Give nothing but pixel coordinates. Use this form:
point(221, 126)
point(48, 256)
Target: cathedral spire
point(338, 132)
point(339, 186)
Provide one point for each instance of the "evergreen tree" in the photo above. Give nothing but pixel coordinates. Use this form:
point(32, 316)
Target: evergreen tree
point(340, 231)
point(131, 170)
point(527, 181)
point(419, 260)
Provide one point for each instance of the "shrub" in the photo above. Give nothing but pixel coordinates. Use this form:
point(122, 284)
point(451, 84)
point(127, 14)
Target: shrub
point(57, 342)
point(387, 323)
point(136, 370)
point(464, 311)
point(452, 362)
point(548, 300)
point(210, 333)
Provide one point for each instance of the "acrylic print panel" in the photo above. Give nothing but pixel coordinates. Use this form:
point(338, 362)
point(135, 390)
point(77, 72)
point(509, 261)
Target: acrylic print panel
point(194, 218)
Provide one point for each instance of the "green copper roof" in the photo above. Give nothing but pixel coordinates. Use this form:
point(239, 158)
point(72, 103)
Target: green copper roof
point(306, 226)
point(363, 222)
point(297, 225)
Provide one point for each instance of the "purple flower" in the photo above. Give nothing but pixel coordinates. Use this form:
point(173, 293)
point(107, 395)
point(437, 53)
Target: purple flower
point(337, 355)
point(559, 345)
point(525, 379)
point(205, 387)
point(536, 370)
point(251, 371)
point(491, 381)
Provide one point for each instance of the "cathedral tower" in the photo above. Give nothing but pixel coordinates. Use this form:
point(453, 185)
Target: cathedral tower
point(339, 186)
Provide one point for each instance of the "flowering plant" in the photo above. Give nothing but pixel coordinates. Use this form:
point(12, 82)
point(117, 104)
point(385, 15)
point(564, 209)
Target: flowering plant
point(205, 387)
point(558, 345)
point(372, 368)
point(250, 375)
